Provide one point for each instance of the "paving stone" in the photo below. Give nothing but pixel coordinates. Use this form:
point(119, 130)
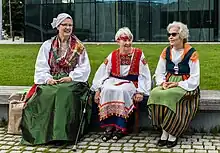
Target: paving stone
point(139, 144)
point(95, 136)
point(105, 144)
point(17, 151)
point(186, 143)
point(207, 143)
point(9, 139)
point(83, 143)
point(186, 146)
point(214, 140)
point(198, 143)
point(204, 140)
point(128, 148)
point(29, 148)
point(198, 147)
point(140, 149)
point(150, 138)
point(178, 150)
point(3, 151)
point(90, 151)
point(93, 147)
point(17, 148)
point(82, 147)
point(212, 151)
point(189, 151)
point(210, 147)
point(116, 152)
point(216, 144)
point(137, 138)
point(143, 141)
point(208, 137)
point(41, 149)
point(103, 151)
point(128, 144)
point(153, 141)
point(153, 150)
point(115, 148)
point(200, 151)
point(127, 137)
point(27, 151)
point(176, 147)
point(3, 142)
point(53, 149)
point(103, 148)
point(5, 147)
point(88, 139)
point(165, 150)
point(11, 143)
point(122, 141)
point(116, 144)
point(150, 145)
point(94, 143)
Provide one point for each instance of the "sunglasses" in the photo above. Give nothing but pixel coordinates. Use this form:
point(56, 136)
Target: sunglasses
point(124, 38)
point(66, 24)
point(172, 34)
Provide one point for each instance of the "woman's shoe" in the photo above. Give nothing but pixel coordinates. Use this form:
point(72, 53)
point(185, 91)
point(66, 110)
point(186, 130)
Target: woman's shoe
point(171, 144)
point(117, 135)
point(161, 143)
point(107, 136)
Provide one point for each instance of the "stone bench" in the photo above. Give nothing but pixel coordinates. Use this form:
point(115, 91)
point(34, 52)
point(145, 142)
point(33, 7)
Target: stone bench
point(207, 118)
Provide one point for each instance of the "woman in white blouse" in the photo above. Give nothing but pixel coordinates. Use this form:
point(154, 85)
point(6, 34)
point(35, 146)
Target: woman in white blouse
point(54, 103)
point(123, 78)
point(174, 102)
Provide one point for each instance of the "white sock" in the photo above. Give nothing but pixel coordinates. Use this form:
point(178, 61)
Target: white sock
point(164, 135)
point(171, 138)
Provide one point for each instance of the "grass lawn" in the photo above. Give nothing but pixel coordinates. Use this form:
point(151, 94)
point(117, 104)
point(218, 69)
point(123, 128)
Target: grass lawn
point(17, 62)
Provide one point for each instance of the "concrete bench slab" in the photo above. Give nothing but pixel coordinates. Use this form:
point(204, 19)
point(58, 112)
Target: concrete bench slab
point(206, 118)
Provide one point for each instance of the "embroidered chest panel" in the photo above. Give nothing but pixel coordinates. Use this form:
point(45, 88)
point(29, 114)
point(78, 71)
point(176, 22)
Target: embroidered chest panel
point(125, 59)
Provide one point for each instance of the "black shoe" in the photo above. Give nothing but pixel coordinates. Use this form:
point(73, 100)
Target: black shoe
point(171, 144)
point(161, 143)
point(117, 135)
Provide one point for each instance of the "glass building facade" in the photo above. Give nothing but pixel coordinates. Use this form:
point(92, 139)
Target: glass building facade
point(99, 20)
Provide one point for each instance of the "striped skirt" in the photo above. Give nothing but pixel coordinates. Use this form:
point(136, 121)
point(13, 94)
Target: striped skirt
point(175, 123)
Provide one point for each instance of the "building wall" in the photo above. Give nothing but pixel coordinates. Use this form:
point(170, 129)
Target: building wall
point(98, 20)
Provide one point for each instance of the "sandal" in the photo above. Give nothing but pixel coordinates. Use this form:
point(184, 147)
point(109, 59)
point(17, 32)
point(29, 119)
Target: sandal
point(117, 135)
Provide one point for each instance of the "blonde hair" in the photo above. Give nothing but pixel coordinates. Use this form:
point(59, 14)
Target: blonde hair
point(183, 30)
point(124, 30)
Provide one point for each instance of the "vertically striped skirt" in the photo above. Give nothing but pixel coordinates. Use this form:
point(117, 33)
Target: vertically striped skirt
point(175, 123)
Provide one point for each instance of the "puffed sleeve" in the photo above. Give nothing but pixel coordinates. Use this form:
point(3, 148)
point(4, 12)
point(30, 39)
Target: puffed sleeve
point(144, 78)
point(82, 71)
point(101, 74)
point(42, 68)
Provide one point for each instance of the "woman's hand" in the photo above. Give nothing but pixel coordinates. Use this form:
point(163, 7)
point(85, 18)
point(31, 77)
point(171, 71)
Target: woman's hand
point(138, 97)
point(65, 79)
point(172, 84)
point(167, 85)
point(97, 96)
point(52, 81)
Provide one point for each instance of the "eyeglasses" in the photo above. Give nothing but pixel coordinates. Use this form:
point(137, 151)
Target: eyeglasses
point(66, 24)
point(172, 34)
point(124, 38)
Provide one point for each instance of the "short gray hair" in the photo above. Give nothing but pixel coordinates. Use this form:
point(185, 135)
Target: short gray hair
point(183, 29)
point(124, 30)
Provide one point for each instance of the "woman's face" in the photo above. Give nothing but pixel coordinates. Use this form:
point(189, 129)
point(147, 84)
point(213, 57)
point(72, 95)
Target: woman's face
point(174, 37)
point(125, 42)
point(66, 27)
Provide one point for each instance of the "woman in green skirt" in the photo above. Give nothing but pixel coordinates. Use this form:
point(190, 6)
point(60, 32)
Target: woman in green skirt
point(174, 102)
point(55, 102)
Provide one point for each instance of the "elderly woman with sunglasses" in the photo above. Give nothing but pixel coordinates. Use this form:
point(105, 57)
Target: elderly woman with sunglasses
point(123, 78)
point(54, 103)
point(174, 102)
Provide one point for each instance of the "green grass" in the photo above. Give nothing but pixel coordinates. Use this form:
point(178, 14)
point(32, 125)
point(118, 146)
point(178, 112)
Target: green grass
point(17, 62)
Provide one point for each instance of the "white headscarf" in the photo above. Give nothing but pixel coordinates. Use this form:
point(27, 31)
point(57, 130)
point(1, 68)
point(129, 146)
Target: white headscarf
point(60, 18)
